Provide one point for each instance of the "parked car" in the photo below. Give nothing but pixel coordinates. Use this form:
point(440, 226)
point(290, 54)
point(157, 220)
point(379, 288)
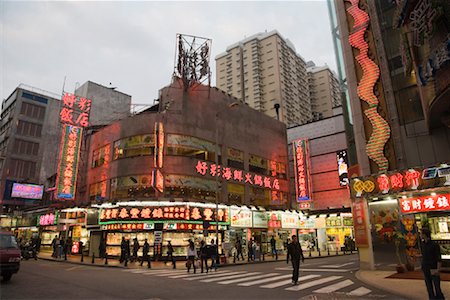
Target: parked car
point(9, 255)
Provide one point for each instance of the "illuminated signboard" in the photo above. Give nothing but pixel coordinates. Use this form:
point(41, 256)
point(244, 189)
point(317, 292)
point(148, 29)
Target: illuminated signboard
point(241, 217)
point(342, 161)
point(28, 191)
point(359, 222)
point(425, 203)
point(159, 145)
point(274, 219)
point(301, 169)
point(181, 213)
point(157, 181)
point(228, 174)
point(47, 219)
point(75, 110)
point(405, 180)
point(260, 219)
point(68, 162)
point(370, 74)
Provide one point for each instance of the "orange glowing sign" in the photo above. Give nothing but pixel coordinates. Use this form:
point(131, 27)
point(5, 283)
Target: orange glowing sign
point(68, 162)
point(75, 110)
point(230, 174)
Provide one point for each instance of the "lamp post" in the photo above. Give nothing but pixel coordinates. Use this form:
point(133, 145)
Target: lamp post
point(218, 183)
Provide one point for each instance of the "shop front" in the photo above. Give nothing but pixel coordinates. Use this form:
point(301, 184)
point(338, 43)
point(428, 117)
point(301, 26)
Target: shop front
point(339, 230)
point(161, 222)
point(389, 210)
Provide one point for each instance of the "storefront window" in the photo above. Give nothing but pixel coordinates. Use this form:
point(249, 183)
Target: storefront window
point(190, 187)
point(137, 145)
point(133, 186)
point(101, 156)
point(181, 145)
point(277, 169)
point(235, 158)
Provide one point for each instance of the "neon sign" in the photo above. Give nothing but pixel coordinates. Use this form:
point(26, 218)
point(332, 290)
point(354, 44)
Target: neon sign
point(227, 173)
point(425, 203)
point(301, 166)
point(47, 219)
point(75, 110)
point(159, 145)
point(68, 162)
point(380, 128)
point(183, 213)
point(28, 191)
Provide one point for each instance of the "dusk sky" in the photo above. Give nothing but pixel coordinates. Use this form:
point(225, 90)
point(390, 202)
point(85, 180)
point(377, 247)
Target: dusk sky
point(132, 44)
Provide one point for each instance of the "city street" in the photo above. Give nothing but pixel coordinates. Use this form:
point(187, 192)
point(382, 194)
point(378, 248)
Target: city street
point(325, 278)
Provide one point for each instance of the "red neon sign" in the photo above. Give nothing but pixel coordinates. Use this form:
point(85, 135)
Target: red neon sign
point(75, 110)
point(228, 174)
point(301, 165)
point(425, 203)
point(380, 128)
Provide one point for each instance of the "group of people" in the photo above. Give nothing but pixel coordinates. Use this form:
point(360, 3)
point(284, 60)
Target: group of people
point(32, 246)
point(205, 253)
point(130, 252)
point(61, 247)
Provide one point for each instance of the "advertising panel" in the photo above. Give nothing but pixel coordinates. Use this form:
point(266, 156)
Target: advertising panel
point(240, 217)
point(425, 203)
point(289, 220)
point(260, 219)
point(274, 219)
point(359, 222)
point(342, 161)
point(68, 162)
point(28, 191)
point(302, 169)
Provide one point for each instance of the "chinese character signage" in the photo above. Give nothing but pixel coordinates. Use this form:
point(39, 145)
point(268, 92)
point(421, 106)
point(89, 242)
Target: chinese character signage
point(359, 222)
point(68, 162)
point(240, 217)
point(274, 219)
point(75, 110)
point(203, 168)
point(159, 145)
point(301, 169)
point(289, 220)
point(342, 161)
point(181, 213)
point(47, 219)
point(260, 219)
point(27, 191)
point(425, 203)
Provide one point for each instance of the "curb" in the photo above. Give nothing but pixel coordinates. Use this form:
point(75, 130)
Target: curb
point(81, 263)
point(381, 287)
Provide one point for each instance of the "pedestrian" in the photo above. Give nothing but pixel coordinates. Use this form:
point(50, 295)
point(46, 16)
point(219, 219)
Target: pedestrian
point(58, 248)
point(431, 265)
point(273, 245)
point(145, 251)
point(254, 246)
point(296, 253)
point(66, 247)
point(170, 257)
point(127, 251)
point(191, 256)
point(239, 249)
point(54, 246)
point(203, 256)
point(214, 254)
point(136, 247)
point(250, 250)
point(123, 250)
point(70, 243)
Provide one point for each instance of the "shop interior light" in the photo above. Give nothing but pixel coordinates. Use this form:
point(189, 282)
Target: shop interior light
point(433, 194)
point(387, 201)
point(404, 197)
point(333, 215)
point(375, 198)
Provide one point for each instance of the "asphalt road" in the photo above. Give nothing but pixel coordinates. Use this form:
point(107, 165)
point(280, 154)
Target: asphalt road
point(322, 278)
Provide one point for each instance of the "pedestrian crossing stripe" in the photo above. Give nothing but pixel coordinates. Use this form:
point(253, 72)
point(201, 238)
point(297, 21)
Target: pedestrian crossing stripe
point(286, 282)
point(213, 275)
point(246, 278)
point(313, 283)
point(273, 280)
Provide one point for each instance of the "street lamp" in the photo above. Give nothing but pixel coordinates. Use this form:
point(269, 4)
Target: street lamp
point(219, 184)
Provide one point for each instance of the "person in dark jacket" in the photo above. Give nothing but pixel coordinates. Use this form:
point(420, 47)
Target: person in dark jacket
point(145, 251)
point(170, 251)
point(273, 245)
point(135, 249)
point(296, 253)
point(203, 256)
point(239, 249)
point(123, 250)
point(431, 265)
point(214, 255)
point(102, 248)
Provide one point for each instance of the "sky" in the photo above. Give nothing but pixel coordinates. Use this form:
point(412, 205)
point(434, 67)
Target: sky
point(131, 44)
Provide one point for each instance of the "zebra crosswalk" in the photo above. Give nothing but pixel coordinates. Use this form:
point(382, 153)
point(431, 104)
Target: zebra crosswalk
point(314, 283)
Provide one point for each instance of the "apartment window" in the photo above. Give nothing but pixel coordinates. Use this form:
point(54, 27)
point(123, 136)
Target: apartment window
point(25, 147)
point(22, 168)
point(97, 191)
point(182, 145)
point(32, 111)
point(134, 146)
point(235, 158)
point(29, 129)
point(101, 156)
point(257, 164)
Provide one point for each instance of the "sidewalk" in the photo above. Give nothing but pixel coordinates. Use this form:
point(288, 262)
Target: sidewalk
point(114, 263)
point(406, 288)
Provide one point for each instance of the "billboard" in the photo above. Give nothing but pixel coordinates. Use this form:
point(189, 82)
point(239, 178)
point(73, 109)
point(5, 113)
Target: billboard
point(68, 162)
point(27, 191)
point(302, 169)
point(342, 161)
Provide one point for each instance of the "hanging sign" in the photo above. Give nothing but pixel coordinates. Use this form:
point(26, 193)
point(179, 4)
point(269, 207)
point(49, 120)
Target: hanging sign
point(359, 222)
point(260, 219)
point(301, 169)
point(240, 217)
point(425, 203)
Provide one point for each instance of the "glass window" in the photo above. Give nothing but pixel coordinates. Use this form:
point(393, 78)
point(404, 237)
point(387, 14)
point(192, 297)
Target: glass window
point(236, 193)
point(258, 164)
point(190, 187)
point(97, 191)
point(8, 241)
point(137, 145)
point(235, 158)
point(101, 156)
point(133, 186)
point(182, 145)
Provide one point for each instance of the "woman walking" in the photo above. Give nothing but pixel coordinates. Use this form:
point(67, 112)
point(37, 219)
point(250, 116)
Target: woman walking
point(192, 255)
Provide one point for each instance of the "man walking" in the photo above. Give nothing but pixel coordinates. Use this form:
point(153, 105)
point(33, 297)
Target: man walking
point(239, 249)
point(296, 253)
point(431, 265)
point(273, 244)
point(145, 257)
point(170, 254)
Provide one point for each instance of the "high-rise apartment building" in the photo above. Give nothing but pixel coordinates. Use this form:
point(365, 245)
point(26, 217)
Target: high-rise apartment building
point(324, 91)
point(266, 72)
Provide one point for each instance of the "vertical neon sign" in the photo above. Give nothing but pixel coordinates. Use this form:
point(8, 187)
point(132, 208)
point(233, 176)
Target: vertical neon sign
point(68, 162)
point(380, 128)
point(301, 169)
